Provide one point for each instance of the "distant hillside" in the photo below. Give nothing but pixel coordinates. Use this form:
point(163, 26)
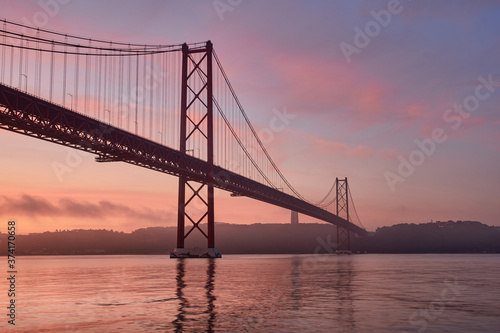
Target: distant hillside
point(438, 237)
point(230, 238)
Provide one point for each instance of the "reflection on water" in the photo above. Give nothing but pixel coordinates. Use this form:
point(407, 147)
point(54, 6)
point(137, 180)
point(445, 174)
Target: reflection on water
point(345, 273)
point(184, 305)
point(209, 287)
point(280, 293)
point(295, 290)
point(326, 285)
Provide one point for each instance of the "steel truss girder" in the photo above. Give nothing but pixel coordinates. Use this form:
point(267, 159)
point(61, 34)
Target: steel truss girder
point(28, 115)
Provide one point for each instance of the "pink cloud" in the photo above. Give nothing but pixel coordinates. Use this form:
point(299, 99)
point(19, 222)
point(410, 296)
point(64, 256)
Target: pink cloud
point(332, 147)
point(390, 154)
point(329, 87)
point(67, 207)
point(415, 112)
point(311, 84)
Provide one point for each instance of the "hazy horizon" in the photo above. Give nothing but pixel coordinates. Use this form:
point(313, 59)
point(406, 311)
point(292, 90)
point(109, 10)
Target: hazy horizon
point(378, 110)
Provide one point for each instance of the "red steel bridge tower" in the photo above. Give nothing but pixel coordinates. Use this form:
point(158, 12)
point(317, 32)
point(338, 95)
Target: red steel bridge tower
point(196, 123)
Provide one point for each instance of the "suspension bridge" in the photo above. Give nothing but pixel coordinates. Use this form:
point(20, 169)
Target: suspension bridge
point(169, 108)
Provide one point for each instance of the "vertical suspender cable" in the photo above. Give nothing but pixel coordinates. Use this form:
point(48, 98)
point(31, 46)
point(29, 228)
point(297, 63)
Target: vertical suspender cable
point(88, 64)
point(26, 64)
point(98, 86)
point(143, 97)
point(3, 51)
point(216, 124)
point(112, 85)
point(77, 77)
point(37, 66)
point(171, 101)
point(120, 91)
point(151, 132)
point(64, 71)
point(105, 89)
point(11, 65)
point(96, 75)
point(143, 92)
point(21, 62)
point(51, 73)
point(226, 137)
point(128, 99)
point(163, 97)
point(137, 95)
point(173, 104)
point(40, 66)
point(178, 95)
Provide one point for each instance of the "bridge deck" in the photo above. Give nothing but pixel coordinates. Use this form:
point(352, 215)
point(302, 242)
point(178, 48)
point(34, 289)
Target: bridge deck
point(29, 115)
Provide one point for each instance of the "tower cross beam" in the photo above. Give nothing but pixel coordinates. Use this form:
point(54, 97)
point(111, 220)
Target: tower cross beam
point(205, 97)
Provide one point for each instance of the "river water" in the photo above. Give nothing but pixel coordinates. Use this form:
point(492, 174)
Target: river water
point(258, 293)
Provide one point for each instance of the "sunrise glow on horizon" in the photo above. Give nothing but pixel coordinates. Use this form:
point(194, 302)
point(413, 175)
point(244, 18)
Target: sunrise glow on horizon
point(400, 98)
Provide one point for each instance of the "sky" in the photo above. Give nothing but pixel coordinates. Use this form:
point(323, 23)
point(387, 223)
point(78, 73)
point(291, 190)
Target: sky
point(401, 97)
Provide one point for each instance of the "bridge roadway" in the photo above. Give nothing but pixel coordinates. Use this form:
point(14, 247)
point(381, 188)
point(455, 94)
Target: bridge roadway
point(29, 115)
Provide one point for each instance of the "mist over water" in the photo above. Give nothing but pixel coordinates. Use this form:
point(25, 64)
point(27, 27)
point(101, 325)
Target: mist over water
point(260, 293)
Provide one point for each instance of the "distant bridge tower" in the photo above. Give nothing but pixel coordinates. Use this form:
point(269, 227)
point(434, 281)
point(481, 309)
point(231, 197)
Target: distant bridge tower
point(343, 235)
point(295, 217)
